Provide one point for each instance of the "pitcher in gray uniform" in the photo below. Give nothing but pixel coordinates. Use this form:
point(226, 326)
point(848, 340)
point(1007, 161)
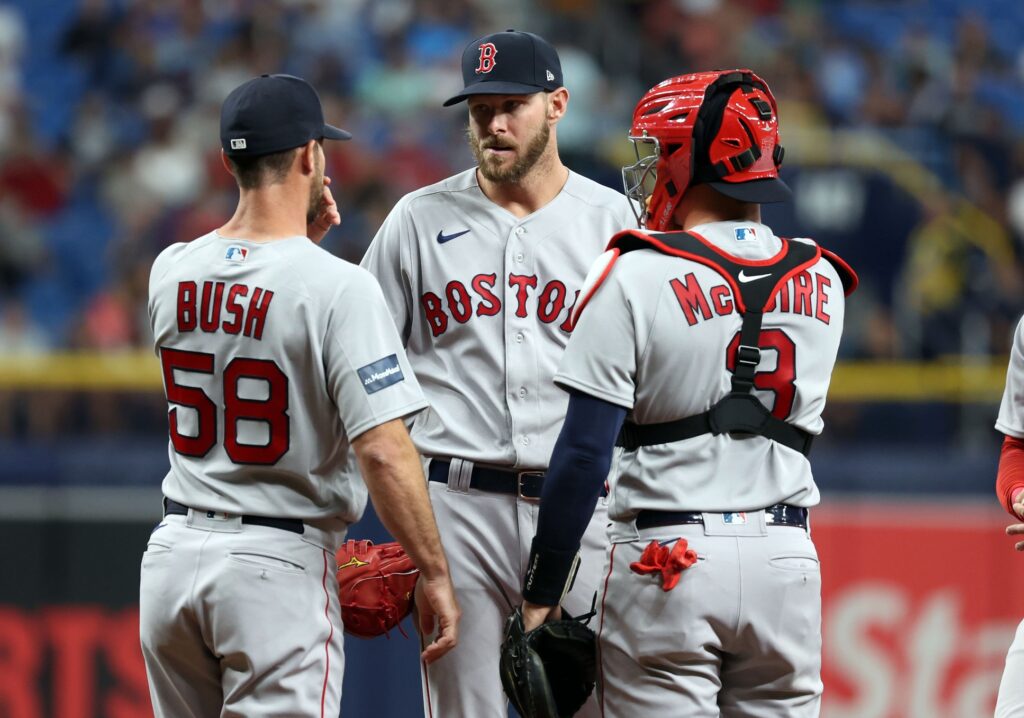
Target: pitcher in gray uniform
point(703, 347)
point(481, 272)
point(277, 357)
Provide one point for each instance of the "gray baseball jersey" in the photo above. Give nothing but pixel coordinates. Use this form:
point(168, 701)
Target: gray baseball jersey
point(1011, 411)
point(689, 308)
point(482, 300)
point(740, 633)
point(275, 356)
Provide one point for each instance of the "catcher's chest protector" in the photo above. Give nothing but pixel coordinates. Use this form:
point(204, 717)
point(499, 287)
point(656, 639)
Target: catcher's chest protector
point(753, 287)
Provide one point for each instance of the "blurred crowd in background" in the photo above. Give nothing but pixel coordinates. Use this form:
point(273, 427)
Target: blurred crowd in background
point(902, 122)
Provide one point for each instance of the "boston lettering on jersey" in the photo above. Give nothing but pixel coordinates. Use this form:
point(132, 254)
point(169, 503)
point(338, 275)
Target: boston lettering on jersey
point(807, 293)
point(214, 308)
point(461, 302)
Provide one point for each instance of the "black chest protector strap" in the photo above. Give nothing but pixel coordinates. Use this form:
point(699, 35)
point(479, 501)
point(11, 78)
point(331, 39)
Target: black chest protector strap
point(739, 411)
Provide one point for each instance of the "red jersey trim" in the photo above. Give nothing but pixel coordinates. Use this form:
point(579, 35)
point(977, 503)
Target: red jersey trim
point(591, 291)
point(846, 273)
point(330, 636)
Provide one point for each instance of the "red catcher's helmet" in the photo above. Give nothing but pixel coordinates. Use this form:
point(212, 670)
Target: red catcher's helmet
point(719, 128)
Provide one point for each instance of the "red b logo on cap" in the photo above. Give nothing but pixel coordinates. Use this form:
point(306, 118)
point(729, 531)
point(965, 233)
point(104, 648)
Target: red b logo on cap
point(487, 53)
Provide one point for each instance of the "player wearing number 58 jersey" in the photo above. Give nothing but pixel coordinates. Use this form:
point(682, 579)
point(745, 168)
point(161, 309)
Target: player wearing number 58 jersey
point(481, 272)
point(703, 348)
point(277, 357)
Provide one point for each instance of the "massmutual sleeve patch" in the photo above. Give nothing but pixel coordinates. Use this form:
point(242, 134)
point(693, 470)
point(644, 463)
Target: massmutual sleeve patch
point(381, 374)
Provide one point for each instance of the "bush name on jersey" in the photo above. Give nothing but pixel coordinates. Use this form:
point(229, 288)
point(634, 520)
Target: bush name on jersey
point(204, 310)
point(461, 302)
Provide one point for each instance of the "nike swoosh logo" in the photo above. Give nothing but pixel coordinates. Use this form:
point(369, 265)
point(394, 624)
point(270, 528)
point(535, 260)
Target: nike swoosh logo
point(744, 277)
point(442, 237)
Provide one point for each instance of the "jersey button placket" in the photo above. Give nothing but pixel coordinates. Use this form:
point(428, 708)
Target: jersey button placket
point(519, 354)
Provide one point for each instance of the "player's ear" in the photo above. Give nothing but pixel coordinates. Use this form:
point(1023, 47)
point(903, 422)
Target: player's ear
point(307, 157)
point(226, 162)
point(558, 101)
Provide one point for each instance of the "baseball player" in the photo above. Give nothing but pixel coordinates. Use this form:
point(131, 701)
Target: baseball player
point(481, 271)
point(1010, 489)
point(277, 357)
point(703, 349)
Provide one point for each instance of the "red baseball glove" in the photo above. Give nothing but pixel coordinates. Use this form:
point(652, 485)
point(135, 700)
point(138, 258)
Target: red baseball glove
point(375, 586)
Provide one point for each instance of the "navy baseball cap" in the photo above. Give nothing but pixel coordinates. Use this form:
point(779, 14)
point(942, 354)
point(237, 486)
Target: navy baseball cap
point(273, 113)
point(508, 63)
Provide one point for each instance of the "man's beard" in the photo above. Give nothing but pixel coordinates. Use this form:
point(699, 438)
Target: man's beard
point(490, 167)
point(316, 197)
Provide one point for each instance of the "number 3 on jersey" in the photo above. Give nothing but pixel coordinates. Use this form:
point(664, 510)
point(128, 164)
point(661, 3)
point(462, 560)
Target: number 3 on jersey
point(779, 380)
point(272, 411)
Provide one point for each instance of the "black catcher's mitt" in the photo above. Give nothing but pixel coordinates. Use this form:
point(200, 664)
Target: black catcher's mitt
point(550, 671)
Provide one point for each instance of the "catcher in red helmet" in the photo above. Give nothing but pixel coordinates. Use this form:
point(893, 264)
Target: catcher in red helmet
point(704, 354)
point(719, 129)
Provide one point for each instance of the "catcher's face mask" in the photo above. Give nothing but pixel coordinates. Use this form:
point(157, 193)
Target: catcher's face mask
point(718, 128)
point(639, 178)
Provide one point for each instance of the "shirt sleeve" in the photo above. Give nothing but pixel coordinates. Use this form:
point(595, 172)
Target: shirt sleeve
point(601, 356)
point(1010, 476)
point(1011, 410)
point(385, 260)
point(368, 373)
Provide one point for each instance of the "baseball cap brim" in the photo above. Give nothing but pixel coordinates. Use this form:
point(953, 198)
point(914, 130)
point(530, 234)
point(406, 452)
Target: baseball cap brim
point(493, 88)
point(335, 133)
point(762, 191)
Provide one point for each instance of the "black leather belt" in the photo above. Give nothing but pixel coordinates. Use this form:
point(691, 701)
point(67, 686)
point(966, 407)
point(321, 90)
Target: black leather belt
point(777, 515)
point(293, 525)
point(525, 484)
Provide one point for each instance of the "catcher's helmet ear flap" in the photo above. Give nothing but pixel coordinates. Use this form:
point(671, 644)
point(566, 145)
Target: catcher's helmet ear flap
point(718, 128)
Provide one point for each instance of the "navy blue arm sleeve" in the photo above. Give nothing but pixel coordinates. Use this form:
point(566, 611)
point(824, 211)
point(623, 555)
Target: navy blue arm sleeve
point(579, 465)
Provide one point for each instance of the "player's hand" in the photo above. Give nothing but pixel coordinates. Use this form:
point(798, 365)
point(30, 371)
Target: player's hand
point(1016, 530)
point(328, 217)
point(534, 615)
point(435, 605)
point(1017, 503)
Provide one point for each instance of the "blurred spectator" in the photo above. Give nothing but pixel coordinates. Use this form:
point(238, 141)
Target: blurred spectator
point(169, 167)
point(960, 267)
point(18, 335)
point(87, 39)
point(116, 318)
point(21, 248)
point(105, 127)
point(12, 43)
point(30, 176)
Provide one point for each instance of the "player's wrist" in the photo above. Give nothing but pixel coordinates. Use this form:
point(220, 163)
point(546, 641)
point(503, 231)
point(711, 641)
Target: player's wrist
point(549, 574)
point(432, 570)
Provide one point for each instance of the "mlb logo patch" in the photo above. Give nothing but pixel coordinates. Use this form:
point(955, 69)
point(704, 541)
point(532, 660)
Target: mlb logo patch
point(735, 518)
point(236, 253)
point(238, 144)
point(744, 233)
